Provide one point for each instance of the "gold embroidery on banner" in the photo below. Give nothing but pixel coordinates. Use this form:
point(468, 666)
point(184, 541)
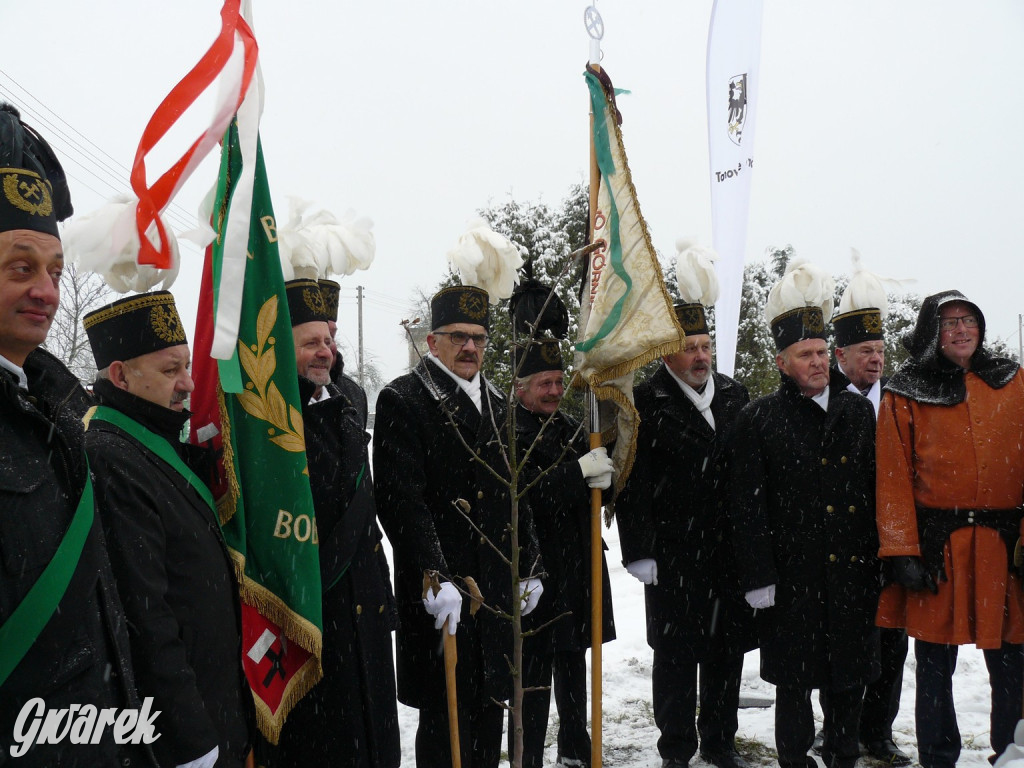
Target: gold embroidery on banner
point(473, 305)
point(261, 398)
point(21, 187)
point(166, 324)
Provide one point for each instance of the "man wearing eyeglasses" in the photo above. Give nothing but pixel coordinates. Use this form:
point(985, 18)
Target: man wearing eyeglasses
point(439, 466)
point(949, 492)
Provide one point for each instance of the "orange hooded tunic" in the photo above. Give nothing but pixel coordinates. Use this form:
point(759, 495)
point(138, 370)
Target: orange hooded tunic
point(967, 456)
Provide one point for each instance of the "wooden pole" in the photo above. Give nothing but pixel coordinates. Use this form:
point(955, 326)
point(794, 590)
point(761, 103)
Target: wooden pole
point(451, 658)
point(596, 598)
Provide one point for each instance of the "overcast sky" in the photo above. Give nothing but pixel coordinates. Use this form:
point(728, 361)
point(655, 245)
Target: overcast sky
point(888, 126)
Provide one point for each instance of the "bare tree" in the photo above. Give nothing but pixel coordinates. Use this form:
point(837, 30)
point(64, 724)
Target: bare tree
point(80, 292)
point(512, 459)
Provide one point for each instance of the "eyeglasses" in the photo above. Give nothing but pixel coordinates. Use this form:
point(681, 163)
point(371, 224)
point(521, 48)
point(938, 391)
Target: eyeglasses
point(459, 339)
point(949, 323)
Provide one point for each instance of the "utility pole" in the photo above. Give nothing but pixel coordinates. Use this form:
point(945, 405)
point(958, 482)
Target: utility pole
point(359, 295)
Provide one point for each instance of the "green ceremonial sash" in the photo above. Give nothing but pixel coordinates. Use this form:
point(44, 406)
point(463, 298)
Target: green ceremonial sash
point(33, 613)
point(157, 446)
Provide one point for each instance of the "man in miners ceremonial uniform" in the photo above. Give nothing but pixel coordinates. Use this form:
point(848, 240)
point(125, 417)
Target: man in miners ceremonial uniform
point(347, 386)
point(950, 479)
point(561, 512)
point(860, 358)
point(438, 439)
point(802, 503)
point(349, 718)
point(174, 574)
point(64, 642)
point(672, 528)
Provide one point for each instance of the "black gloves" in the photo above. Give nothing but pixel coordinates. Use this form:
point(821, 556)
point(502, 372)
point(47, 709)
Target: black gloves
point(909, 571)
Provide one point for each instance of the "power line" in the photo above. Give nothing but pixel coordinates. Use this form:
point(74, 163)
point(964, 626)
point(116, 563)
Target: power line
point(116, 173)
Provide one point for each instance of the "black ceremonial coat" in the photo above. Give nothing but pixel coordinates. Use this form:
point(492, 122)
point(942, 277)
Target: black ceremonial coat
point(81, 655)
point(802, 501)
point(672, 510)
point(177, 583)
point(349, 718)
point(420, 468)
point(560, 504)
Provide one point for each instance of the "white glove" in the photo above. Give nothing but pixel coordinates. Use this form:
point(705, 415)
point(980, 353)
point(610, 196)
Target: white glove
point(644, 571)
point(530, 592)
point(446, 604)
point(762, 598)
point(597, 468)
point(206, 761)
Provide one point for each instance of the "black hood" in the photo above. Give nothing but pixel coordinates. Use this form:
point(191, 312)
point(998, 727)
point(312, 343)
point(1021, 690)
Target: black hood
point(928, 376)
point(922, 341)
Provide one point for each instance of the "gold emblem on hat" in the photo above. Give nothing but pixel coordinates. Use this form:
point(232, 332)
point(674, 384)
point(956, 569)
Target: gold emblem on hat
point(813, 320)
point(473, 305)
point(27, 192)
point(872, 322)
point(550, 353)
point(692, 318)
point(314, 300)
point(166, 324)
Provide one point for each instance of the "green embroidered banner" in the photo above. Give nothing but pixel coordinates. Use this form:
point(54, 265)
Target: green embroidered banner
point(263, 495)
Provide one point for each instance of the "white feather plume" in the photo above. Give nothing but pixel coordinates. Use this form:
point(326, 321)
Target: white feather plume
point(319, 244)
point(695, 272)
point(803, 285)
point(866, 289)
point(106, 241)
point(487, 260)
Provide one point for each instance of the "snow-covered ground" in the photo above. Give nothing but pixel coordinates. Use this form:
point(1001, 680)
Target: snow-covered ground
point(630, 736)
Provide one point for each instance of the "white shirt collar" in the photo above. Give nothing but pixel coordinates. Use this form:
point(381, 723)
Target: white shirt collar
point(874, 394)
point(471, 386)
point(822, 399)
point(16, 370)
point(324, 395)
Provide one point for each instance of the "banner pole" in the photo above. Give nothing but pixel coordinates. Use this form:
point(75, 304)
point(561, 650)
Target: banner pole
point(596, 598)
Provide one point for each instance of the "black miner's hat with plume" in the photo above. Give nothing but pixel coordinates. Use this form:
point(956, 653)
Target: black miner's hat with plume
point(34, 191)
point(527, 301)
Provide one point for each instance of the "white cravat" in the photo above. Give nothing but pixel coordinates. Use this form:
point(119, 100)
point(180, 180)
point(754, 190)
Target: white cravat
point(822, 399)
point(700, 400)
point(471, 387)
point(17, 371)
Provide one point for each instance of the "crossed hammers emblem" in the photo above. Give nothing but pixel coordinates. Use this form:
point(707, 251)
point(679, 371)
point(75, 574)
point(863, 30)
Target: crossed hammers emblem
point(30, 190)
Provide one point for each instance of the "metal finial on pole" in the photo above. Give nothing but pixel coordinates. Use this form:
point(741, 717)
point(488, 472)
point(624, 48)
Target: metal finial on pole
point(595, 29)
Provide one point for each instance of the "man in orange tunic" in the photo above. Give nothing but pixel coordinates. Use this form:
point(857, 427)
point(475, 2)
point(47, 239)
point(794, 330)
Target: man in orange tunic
point(950, 478)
